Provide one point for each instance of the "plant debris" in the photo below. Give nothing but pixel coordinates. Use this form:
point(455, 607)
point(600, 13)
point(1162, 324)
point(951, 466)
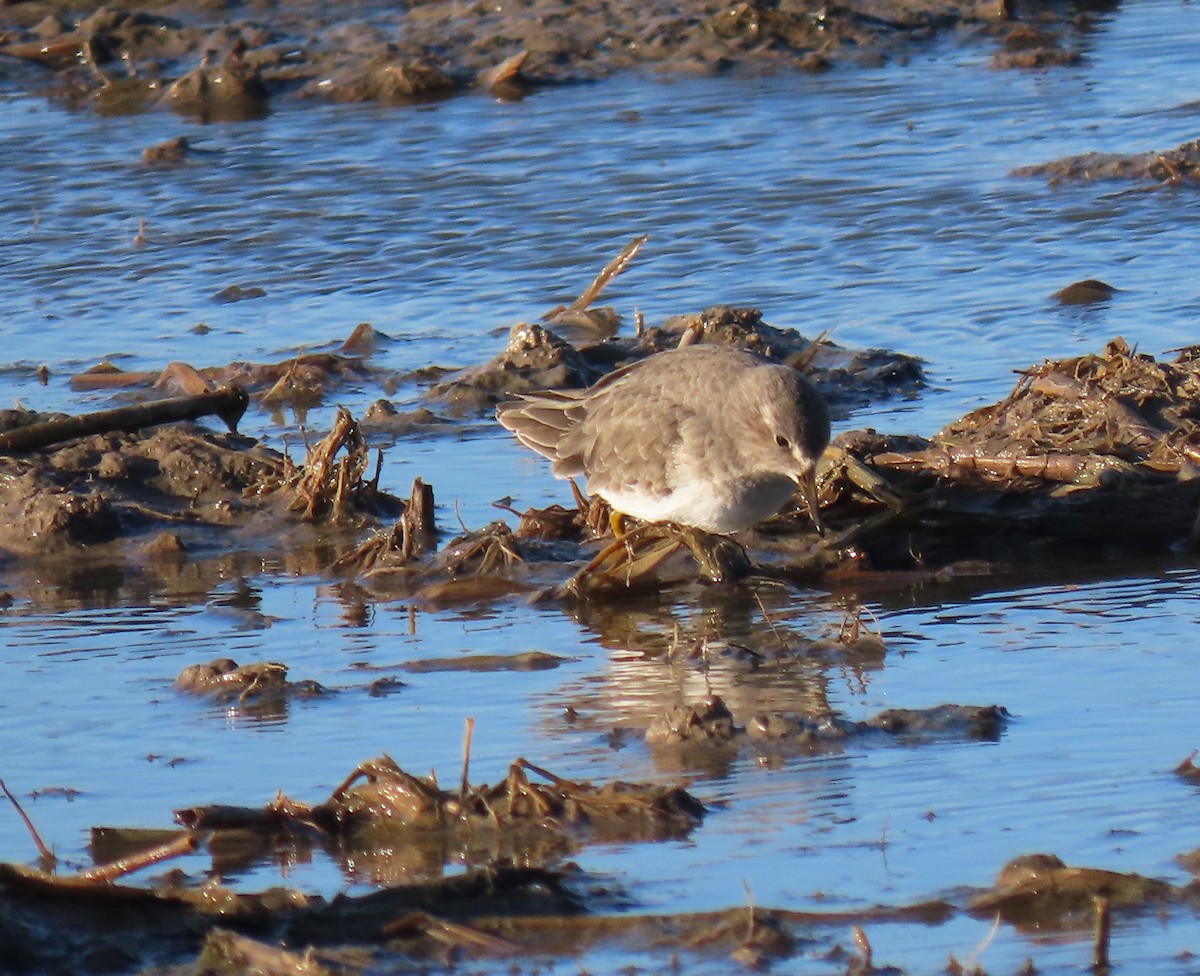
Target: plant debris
point(496, 913)
point(1036, 890)
point(332, 489)
point(1095, 452)
point(379, 796)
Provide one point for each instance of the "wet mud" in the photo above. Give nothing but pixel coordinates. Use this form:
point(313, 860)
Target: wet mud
point(164, 491)
point(711, 723)
point(94, 921)
point(205, 63)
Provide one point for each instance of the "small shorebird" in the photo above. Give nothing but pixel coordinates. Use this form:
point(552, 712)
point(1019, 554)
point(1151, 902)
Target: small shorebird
point(706, 436)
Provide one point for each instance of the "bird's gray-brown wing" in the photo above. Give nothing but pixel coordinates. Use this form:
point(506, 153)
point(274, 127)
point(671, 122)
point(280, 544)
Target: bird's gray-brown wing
point(543, 421)
point(627, 436)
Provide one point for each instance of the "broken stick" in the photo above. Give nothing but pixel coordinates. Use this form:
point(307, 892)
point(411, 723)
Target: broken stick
point(226, 402)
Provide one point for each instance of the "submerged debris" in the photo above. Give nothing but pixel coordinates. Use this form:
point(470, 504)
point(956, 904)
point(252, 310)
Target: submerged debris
point(1036, 890)
point(711, 723)
point(488, 663)
point(1188, 770)
point(79, 923)
point(1090, 291)
point(224, 680)
point(708, 721)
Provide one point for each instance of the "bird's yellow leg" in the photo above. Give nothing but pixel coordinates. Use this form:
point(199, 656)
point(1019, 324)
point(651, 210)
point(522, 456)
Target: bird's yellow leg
point(616, 522)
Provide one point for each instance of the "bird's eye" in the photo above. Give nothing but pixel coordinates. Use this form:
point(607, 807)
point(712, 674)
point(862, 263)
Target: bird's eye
point(782, 442)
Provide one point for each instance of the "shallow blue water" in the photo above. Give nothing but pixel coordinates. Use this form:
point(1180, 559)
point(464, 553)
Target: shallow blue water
point(875, 202)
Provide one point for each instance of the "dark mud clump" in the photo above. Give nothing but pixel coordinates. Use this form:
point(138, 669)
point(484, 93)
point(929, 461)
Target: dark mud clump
point(1090, 291)
point(1036, 890)
point(224, 680)
point(1026, 46)
point(96, 489)
point(531, 817)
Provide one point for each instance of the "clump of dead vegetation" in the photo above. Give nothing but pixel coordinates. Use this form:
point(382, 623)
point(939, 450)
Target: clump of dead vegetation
point(1095, 421)
point(1095, 451)
point(329, 488)
point(380, 798)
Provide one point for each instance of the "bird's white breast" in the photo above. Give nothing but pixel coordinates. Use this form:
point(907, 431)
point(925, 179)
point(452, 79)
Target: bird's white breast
point(723, 507)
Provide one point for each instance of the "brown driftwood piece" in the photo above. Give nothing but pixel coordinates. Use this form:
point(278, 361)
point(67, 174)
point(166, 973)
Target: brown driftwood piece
point(607, 273)
point(1058, 466)
point(505, 73)
point(228, 403)
point(184, 844)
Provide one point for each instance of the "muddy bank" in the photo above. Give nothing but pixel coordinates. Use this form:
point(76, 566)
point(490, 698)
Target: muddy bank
point(202, 61)
point(500, 916)
point(155, 492)
point(1166, 168)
